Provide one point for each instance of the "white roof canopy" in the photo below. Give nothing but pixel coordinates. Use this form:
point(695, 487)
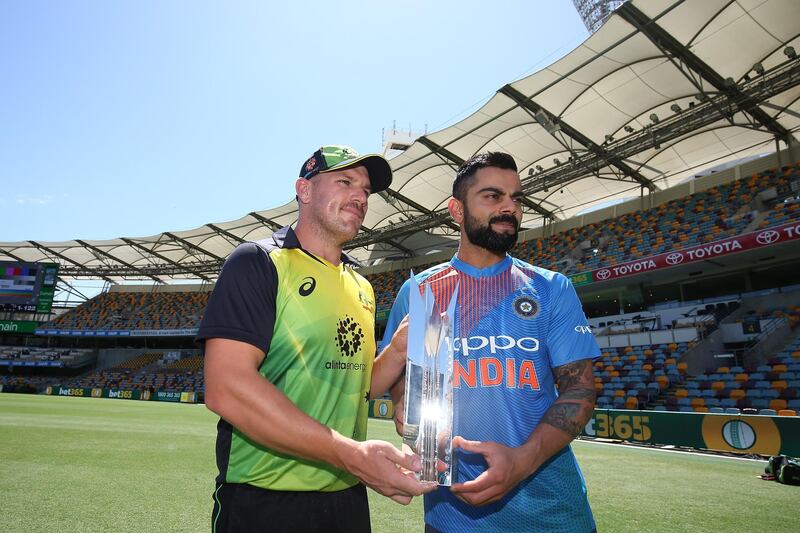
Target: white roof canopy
point(664, 89)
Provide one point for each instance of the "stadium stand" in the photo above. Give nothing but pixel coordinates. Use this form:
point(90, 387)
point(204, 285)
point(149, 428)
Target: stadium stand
point(716, 213)
point(638, 368)
point(148, 371)
point(132, 311)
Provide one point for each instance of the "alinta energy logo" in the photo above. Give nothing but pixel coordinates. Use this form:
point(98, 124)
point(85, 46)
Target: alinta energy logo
point(675, 258)
point(604, 274)
point(767, 237)
point(349, 336)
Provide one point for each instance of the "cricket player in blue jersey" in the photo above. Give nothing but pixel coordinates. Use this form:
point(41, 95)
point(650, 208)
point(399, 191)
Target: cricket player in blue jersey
point(523, 383)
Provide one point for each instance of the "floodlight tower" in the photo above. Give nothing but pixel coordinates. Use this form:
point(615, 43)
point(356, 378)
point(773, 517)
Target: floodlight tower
point(595, 12)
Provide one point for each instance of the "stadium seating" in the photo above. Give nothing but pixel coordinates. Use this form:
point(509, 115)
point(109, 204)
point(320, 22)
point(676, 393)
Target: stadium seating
point(713, 214)
point(135, 310)
point(635, 377)
point(148, 372)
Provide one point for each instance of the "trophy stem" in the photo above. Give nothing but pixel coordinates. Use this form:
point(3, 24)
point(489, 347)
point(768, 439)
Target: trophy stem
point(429, 422)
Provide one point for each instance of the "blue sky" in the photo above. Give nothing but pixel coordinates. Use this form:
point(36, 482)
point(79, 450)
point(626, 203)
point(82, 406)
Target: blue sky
point(133, 118)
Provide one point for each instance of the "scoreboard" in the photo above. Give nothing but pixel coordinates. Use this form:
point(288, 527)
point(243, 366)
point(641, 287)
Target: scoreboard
point(28, 287)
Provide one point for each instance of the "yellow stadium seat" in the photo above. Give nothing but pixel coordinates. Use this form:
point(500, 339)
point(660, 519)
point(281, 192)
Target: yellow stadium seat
point(619, 393)
point(777, 404)
point(779, 385)
point(780, 368)
point(631, 402)
point(742, 377)
point(737, 394)
point(698, 402)
point(718, 385)
point(723, 370)
point(681, 393)
point(700, 409)
point(682, 368)
point(787, 412)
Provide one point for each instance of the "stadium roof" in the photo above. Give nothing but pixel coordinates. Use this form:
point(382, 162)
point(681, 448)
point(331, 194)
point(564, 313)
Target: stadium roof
point(664, 89)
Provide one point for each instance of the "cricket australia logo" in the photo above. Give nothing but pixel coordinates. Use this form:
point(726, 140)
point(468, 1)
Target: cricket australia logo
point(349, 336)
point(526, 307)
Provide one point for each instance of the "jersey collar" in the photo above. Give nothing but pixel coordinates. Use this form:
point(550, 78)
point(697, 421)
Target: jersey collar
point(287, 238)
point(470, 270)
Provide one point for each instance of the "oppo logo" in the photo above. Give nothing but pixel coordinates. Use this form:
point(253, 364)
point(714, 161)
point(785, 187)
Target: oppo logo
point(495, 343)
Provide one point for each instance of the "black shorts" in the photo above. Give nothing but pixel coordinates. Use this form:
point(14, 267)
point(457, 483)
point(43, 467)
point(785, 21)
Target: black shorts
point(240, 508)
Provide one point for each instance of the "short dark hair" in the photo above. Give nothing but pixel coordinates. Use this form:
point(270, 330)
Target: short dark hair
point(466, 172)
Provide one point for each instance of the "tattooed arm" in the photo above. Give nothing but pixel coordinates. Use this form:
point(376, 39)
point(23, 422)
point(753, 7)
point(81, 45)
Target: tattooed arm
point(560, 425)
point(574, 406)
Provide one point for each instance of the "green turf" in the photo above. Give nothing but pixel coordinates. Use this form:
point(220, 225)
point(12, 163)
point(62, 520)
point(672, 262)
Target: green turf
point(81, 464)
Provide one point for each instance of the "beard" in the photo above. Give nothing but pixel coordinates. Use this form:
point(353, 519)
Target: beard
point(487, 238)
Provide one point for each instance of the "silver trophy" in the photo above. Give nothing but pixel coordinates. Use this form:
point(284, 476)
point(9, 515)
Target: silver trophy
point(428, 411)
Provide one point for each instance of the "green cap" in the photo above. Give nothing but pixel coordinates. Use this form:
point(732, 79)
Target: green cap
point(335, 157)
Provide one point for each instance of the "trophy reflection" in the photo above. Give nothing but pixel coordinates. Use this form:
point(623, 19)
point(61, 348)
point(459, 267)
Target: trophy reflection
point(428, 425)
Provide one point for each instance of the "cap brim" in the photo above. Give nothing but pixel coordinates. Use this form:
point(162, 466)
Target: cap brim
point(380, 173)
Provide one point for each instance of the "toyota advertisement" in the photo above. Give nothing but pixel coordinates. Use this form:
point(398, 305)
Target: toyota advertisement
point(748, 241)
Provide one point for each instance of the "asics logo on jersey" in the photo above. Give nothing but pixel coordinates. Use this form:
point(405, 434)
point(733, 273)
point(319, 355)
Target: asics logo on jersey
point(308, 286)
point(583, 329)
point(495, 343)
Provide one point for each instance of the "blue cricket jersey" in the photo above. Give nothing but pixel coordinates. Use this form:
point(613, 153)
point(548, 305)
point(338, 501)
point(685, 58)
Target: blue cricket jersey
point(514, 323)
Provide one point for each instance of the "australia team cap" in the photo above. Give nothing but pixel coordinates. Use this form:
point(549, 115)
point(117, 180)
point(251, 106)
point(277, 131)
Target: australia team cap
point(335, 157)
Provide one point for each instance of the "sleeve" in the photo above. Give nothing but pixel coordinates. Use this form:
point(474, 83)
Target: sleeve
point(242, 305)
point(396, 315)
point(570, 338)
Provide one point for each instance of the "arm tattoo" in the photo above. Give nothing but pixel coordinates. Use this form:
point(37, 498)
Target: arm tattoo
point(574, 406)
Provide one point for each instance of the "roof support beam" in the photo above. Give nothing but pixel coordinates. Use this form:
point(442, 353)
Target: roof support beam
point(192, 246)
point(228, 234)
point(271, 223)
point(165, 259)
point(534, 108)
point(666, 42)
point(115, 259)
point(448, 156)
point(9, 254)
point(63, 258)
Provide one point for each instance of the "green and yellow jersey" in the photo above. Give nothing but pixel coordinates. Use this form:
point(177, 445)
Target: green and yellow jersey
point(315, 322)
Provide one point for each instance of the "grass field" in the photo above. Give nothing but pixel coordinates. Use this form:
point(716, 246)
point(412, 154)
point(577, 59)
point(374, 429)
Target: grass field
point(82, 464)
